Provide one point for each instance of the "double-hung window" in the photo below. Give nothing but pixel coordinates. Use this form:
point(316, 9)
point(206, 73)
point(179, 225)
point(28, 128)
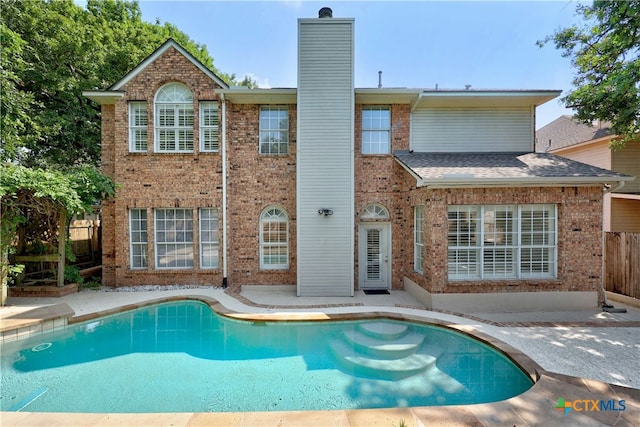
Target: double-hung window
point(209, 248)
point(376, 130)
point(209, 127)
point(138, 238)
point(174, 238)
point(418, 238)
point(502, 242)
point(138, 126)
point(274, 130)
point(174, 119)
point(274, 239)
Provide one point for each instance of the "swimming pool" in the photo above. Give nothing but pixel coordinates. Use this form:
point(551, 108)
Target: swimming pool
point(183, 357)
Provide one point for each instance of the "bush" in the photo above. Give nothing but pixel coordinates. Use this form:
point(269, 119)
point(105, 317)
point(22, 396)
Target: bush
point(72, 275)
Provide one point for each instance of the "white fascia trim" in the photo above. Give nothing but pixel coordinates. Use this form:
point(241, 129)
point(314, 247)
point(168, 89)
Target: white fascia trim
point(260, 96)
point(103, 97)
point(411, 171)
point(155, 55)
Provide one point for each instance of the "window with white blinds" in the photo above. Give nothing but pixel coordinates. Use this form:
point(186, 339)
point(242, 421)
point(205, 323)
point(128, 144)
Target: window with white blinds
point(174, 119)
point(502, 242)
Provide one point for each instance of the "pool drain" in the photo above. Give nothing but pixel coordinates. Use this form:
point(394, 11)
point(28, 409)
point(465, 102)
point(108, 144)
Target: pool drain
point(42, 347)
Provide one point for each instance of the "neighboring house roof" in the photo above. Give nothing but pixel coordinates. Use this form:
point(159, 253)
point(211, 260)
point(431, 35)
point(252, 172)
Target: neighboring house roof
point(566, 131)
point(501, 169)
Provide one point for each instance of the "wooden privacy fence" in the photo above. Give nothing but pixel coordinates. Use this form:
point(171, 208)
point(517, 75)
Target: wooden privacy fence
point(84, 237)
point(622, 263)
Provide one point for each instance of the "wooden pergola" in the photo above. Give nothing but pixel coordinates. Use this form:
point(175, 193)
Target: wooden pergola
point(58, 257)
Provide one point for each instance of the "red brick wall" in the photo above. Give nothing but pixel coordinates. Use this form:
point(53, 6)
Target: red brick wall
point(376, 182)
point(579, 237)
point(150, 180)
point(255, 182)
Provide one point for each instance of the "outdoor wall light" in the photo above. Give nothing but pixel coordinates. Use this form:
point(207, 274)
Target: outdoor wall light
point(325, 212)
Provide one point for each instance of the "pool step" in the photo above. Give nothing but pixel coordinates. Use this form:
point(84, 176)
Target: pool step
point(383, 330)
point(384, 348)
point(379, 368)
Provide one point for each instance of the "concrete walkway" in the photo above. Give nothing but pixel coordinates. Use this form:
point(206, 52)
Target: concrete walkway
point(591, 348)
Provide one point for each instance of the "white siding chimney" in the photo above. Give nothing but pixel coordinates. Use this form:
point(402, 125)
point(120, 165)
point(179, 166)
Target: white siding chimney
point(325, 157)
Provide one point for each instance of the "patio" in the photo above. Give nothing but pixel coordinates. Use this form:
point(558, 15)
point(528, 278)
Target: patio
point(582, 355)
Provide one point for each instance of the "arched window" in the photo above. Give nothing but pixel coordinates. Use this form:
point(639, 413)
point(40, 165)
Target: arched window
point(375, 211)
point(174, 119)
point(274, 239)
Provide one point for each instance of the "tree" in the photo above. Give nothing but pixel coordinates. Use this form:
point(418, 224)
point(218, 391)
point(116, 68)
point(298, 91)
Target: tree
point(34, 201)
point(605, 52)
point(51, 52)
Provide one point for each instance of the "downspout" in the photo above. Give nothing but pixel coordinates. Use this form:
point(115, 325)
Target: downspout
point(605, 304)
point(224, 190)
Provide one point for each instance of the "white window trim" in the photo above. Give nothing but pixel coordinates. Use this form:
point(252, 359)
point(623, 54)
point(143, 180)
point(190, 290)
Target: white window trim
point(375, 211)
point(176, 128)
point(378, 130)
point(203, 242)
point(285, 219)
point(480, 247)
point(133, 126)
point(418, 239)
point(266, 129)
point(133, 243)
point(215, 128)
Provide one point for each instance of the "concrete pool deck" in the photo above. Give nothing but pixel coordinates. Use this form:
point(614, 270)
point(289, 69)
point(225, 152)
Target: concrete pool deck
point(578, 356)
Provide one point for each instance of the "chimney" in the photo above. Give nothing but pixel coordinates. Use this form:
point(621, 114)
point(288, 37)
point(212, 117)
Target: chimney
point(325, 12)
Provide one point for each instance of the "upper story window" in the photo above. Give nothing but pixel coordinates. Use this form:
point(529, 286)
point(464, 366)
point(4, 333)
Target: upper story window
point(174, 119)
point(274, 130)
point(376, 130)
point(138, 126)
point(209, 127)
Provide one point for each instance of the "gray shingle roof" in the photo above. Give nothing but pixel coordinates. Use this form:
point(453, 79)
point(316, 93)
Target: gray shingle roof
point(496, 168)
point(565, 131)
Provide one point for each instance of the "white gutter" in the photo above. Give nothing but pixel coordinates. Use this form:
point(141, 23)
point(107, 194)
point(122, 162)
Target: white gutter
point(469, 182)
point(616, 188)
point(224, 190)
point(415, 103)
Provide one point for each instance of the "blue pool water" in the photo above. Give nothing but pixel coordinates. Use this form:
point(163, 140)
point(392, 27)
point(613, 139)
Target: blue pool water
point(183, 357)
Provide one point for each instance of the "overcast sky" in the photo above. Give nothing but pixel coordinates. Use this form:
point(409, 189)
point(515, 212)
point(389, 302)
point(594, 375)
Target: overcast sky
point(416, 44)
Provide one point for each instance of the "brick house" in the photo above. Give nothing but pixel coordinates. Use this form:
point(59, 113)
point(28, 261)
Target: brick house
point(569, 138)
point(331, 188)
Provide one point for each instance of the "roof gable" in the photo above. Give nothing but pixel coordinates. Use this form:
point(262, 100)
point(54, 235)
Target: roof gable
point(170, 43)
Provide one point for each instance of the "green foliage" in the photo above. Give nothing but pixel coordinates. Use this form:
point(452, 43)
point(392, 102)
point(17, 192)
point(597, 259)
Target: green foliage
point(92, 283)
point(33, 198)
point(605, 53)
point(72, 275)
point(51, 52)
